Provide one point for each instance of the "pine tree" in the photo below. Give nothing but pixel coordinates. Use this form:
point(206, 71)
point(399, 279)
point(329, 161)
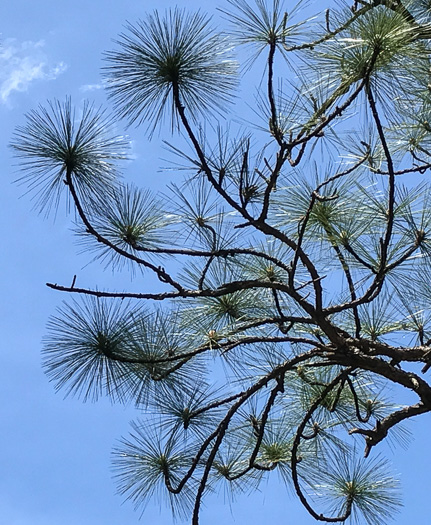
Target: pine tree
point(292, 261)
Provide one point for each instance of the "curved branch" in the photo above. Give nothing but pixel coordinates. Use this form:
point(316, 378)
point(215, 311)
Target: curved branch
point(380, 431)
point(339, 110)
point(356, 400)
point(294, 462)
point(260, 225)
point(222, 427)
point(391, 195)
point(225, 346)
point(160, 272)
point(224, 289)
point(335, 32)
point(279, 387)
point(409, 380)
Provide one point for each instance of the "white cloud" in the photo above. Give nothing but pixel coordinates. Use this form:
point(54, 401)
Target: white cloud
point(22, 63)
point(91, 87)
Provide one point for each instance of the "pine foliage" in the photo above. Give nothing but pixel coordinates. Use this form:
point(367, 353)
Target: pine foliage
point(292, 262)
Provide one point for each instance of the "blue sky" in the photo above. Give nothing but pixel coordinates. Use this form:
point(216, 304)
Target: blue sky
point(55, 453)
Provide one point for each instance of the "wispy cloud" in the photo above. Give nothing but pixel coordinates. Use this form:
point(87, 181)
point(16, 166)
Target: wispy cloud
point(21, 64)
point(92, 87)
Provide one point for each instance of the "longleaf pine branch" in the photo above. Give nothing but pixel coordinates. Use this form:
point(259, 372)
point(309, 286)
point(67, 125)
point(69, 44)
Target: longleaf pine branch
point(280, 289)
